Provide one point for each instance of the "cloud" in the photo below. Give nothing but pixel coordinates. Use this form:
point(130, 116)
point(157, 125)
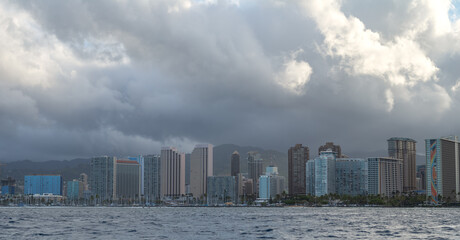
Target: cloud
point(295, 74)
point(104, 77)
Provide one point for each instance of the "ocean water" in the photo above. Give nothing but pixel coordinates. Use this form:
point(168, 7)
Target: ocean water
point(228, 223)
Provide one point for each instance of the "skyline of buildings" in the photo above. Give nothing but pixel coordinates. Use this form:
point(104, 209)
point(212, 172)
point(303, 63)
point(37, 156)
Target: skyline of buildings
point(325, 174)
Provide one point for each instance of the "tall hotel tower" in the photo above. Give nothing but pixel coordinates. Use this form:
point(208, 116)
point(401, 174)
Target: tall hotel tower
point(172, 172)
point(297, 160)
point(201, 164)
point(235, 163)
point(103, 177)
point(442, 169)
point(404, 148)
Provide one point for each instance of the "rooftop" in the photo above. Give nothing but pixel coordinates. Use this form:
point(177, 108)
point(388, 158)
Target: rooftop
point(401, 139)
point(127, 161)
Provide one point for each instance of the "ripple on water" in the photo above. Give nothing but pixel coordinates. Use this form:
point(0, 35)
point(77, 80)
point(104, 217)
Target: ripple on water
point(227, 223)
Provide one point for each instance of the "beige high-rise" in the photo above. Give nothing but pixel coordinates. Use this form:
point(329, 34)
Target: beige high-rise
point(172, 172)
point(201, 164)
point(385, 176)
point(404, 148)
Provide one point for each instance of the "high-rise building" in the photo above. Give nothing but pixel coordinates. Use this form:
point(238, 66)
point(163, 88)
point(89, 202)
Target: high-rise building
point(443, 169)
point(84, 180)
point(297, 160)
point(74, 190)
point(235, 163)
point(42, 184)
point(172, 173)
point(128, 179)
point(140, 159)
point(385, 176)
point(248, 187)
point(421, 174)
point(221, 190)
point(310, 178)
point(330, 146)
point(102, 178)
point(270, 184)
point(201, 164)
point(8, 186)
point(320, 174)
point(351, 176)
point(404, 148)
point(152, 176)
point(255, 169)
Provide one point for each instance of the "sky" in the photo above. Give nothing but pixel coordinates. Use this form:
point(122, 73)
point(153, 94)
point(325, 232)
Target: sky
point(87, 78)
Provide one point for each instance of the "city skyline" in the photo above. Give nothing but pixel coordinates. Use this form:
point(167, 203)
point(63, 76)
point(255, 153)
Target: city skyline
point(82, 79)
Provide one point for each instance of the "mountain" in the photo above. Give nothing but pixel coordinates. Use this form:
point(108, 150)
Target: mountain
point(68, 169)
point(223, 153)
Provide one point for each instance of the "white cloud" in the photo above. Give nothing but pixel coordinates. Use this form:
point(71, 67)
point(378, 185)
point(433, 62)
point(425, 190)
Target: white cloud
point(295, 74)
point(400, 61)
point(390, 99)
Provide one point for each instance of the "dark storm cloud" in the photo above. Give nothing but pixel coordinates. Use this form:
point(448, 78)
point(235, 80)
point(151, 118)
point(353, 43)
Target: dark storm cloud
point(98, 77)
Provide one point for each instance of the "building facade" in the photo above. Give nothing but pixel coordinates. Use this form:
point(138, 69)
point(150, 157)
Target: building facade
point(443, 167)
point(385, 176)
point(310, 178)
point(351, 176)
point(172, 173)
point(75, 190)
point(404, 148)
point(221, 190)
point(8, 186)
point(140, 159)
point(152, 178)
point(255, 169)
point(270, 184)
point(84, 180)
point(43, 184)
point(201, 167)
point(421, 174)
point(297, 160)
point(102, 178)
point(235, 164)
point(320, 174)
point(128, 176)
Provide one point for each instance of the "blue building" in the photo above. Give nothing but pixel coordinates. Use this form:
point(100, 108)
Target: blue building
point(320, 174)
point(74, 190)
point(351, 176)
point(270, 184)
point(8, 186)
point(41, 184)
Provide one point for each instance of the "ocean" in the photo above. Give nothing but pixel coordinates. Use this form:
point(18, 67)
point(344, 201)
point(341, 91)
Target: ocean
point(228, 223)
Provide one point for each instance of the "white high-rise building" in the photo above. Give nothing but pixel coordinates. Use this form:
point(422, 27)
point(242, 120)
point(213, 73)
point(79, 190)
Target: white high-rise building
point(201, 164)
point(172, 172)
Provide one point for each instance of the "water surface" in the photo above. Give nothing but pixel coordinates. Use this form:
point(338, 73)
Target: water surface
point(228, 223)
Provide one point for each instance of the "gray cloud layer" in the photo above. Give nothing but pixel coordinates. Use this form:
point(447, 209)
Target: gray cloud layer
point(84, 78)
